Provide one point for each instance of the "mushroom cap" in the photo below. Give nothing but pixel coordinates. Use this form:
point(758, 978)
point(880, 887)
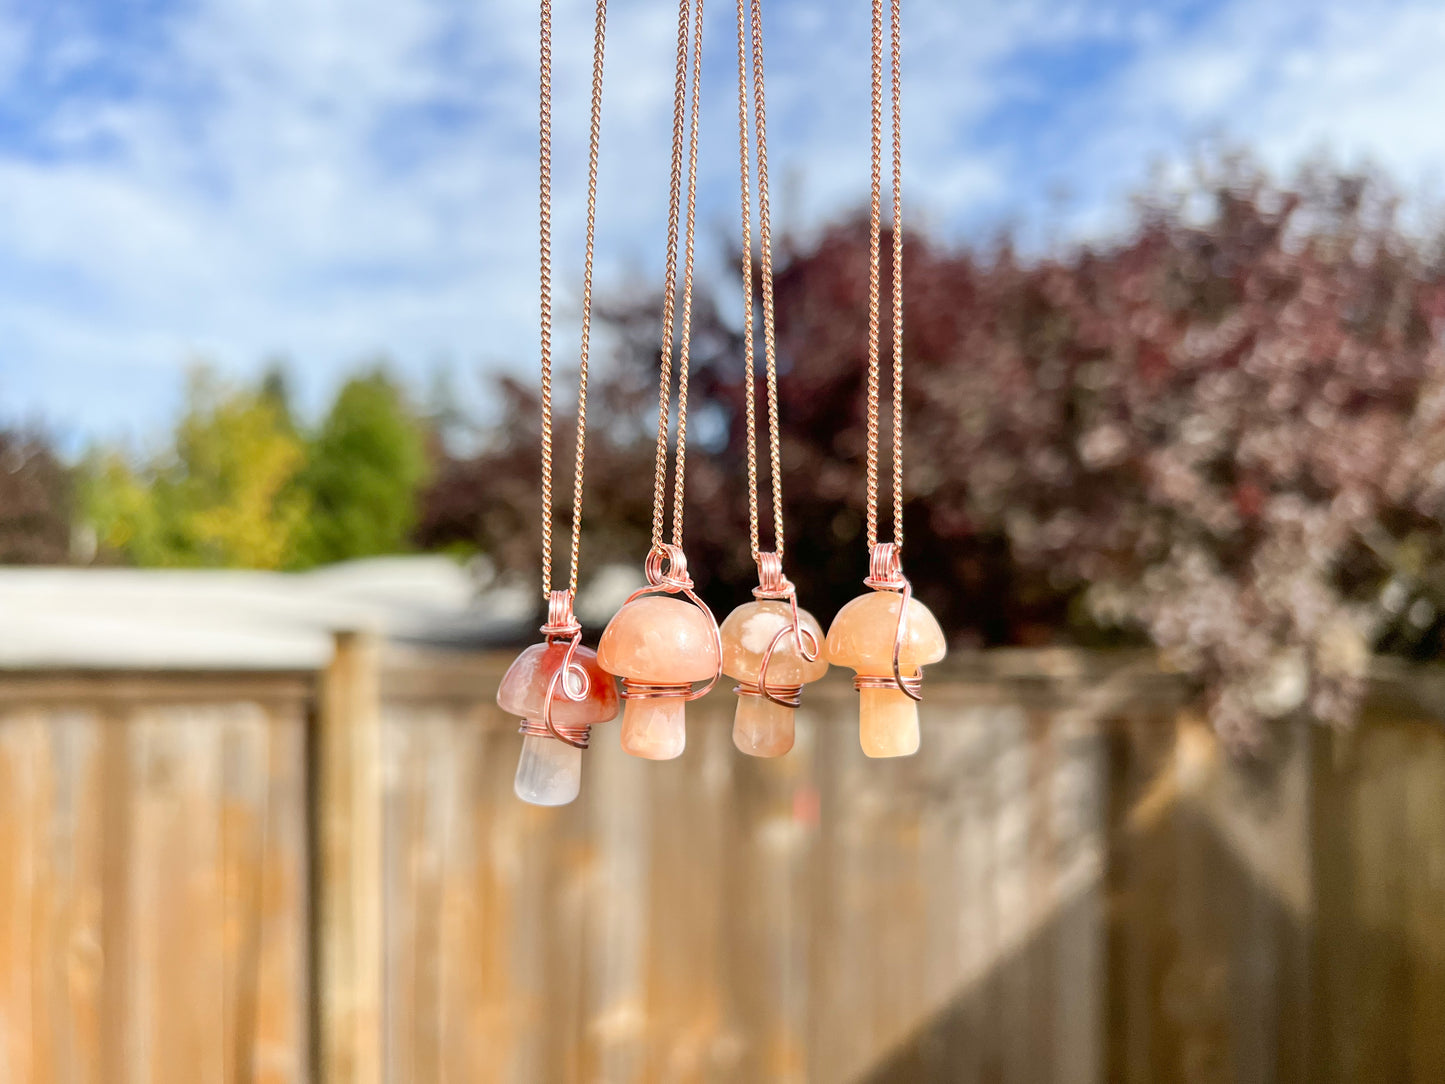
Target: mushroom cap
point(749, 630)
point(524, 686)
point(660, 640)
point(862, 635)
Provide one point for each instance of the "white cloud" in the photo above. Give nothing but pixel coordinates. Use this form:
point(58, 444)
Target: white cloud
point(254, 177)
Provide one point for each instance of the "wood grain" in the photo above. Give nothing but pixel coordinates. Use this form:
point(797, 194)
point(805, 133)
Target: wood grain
point(234, 878)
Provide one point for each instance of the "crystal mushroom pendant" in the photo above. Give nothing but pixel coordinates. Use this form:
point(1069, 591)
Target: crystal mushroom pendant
point(773, 649)
point(660, 646)
point(581, 694)
point(887, 636)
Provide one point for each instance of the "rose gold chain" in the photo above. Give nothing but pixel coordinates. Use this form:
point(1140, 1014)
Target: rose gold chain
point(752, 18)
point(875, 226)
point(545, 199)
point(895, 36)
point(684, 131)
point(744, 186)
point(544, 189)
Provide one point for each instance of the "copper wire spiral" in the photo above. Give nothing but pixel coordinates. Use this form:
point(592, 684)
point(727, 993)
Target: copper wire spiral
point(570, 680)
point(788, 696)
point(773, 585)
point(885, 573)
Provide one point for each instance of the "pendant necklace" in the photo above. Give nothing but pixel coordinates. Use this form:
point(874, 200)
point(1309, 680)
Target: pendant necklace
point(887, 635)
point(666, 648)
point(557, 686)
point(769, 645)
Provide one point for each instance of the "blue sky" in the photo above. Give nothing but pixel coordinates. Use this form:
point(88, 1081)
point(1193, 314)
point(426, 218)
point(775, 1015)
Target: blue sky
point(330, 180)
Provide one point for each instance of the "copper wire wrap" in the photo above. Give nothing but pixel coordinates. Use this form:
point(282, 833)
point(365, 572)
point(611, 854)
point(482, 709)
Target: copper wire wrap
point(570, 681)
point(772, 584)
point(667, 574)
point(545, 231)
point(788, 696)
point(561, 624)
point(771, 581)
point(578, 736)
point(885, 573)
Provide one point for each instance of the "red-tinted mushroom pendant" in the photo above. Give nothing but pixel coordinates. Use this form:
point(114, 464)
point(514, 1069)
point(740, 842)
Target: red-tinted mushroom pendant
point(887, 636)
point(560, 692)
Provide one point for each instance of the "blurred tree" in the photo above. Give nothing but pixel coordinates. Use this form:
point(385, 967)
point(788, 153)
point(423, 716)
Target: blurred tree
point(1222, 432)
point(36, 493)
point(363, 471)
point(224, 495)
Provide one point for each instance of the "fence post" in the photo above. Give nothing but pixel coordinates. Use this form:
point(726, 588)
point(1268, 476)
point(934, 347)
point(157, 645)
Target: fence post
point(348, 823)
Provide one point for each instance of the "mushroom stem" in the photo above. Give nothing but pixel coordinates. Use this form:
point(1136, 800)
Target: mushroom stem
point(549, 772)
point(887, 723)
point(762, 728)
point(654, 727)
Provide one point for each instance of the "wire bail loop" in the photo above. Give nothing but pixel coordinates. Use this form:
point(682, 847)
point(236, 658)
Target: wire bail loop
point(666, 570)
point(561, 624)
point(772, 583)
point(885, 568)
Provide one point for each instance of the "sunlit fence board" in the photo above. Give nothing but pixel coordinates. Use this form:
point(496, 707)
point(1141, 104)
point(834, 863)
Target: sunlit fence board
point(153, 902)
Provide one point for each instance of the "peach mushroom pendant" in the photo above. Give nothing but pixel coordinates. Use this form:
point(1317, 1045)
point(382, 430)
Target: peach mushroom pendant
point(560, 692)
point(773, 649)
point(661, 647)
point(887, 636)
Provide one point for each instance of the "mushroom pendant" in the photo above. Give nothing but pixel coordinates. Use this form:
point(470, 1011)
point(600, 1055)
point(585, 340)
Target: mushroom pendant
point(661, 647)
point(560, 692)
point(773, 649)
point(887, 636)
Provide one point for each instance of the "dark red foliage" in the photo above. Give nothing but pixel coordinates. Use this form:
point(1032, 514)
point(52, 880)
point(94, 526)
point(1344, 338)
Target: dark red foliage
point(1224, 433)
point(36, 495)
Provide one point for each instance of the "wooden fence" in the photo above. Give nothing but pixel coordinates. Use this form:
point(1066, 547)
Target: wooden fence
point(280, 877)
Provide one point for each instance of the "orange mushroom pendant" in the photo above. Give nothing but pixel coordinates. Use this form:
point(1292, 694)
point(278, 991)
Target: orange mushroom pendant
point(887, 636)
point(560, 692)
point(773, 649)
point(661, 647)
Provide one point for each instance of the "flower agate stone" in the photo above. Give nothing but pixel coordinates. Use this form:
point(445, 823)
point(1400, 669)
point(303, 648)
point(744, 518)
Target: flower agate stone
point(862, 638)
point(550, 771)
point(658, 640)
point(762, 728)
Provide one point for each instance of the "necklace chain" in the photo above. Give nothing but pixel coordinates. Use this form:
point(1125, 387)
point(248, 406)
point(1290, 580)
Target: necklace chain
point(545, 218)
point(684, 132)
point(750, 18)
point(874, 245)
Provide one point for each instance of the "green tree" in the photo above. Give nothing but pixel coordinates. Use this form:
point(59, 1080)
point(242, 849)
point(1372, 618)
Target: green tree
point(225, 495)
point(364, 469)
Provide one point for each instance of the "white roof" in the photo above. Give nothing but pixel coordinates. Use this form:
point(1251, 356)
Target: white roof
point(105, 618)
